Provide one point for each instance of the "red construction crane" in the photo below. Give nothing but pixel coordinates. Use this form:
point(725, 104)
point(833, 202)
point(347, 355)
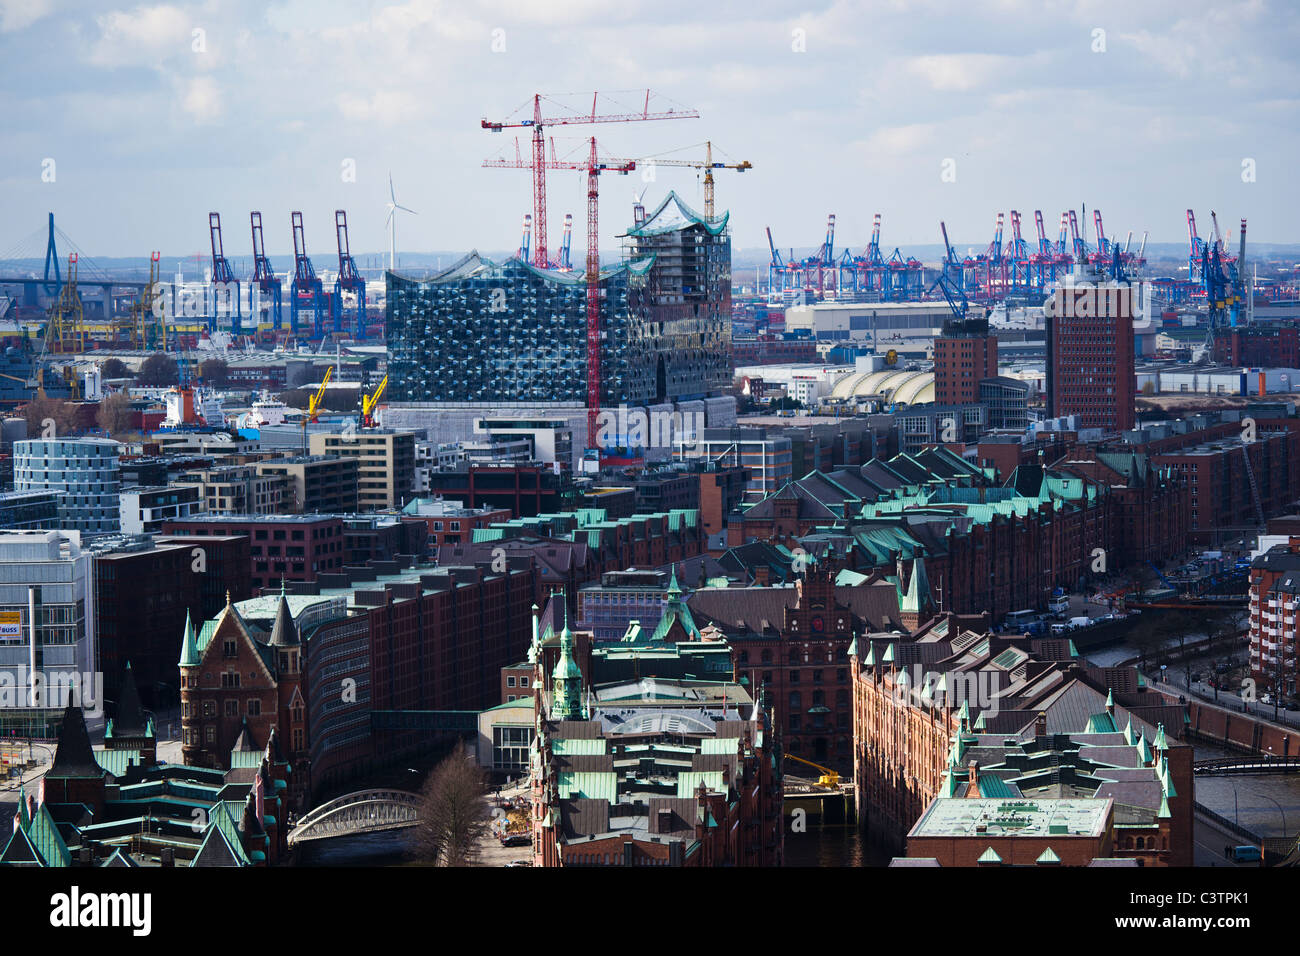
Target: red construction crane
point(570, 117)
point(593, 166)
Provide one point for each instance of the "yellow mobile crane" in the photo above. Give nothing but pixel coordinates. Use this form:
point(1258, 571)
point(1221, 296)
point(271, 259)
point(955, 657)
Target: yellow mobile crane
point(829, 778)
point(370, 402)
point(314, 403)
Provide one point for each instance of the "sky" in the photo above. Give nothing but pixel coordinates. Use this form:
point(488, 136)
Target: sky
point(132, 122)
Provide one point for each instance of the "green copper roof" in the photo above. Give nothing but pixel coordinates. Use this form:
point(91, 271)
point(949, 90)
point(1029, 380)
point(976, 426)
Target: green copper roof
point(44, 835)
point(1161, 743)
point(1048, 856)
point(917, 596)
point(989, 856)
point(189, 650)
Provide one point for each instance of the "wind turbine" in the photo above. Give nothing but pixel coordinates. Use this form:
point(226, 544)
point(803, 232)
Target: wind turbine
point(392, 206)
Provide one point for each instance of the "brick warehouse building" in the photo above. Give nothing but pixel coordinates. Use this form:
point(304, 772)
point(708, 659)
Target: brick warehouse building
point(921, 698)
point(793, 641)
point(1240, 467)
point(377, 643)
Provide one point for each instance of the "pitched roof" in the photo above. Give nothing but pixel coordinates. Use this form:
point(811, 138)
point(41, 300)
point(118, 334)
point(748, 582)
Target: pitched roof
point(130, 719)
point(73, 756)
point(283, 633)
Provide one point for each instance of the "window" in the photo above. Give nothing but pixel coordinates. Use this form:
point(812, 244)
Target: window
point(232, 708)
point(254, 708)
point(229, 649)
point(510, 682)
point(523, 682)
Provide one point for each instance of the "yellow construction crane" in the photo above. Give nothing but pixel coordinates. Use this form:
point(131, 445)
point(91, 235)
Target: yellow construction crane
point(65, 331)
point(369, 402)
point(314, 403)
point(708, 165)
point(149, 330)
point(829, 777)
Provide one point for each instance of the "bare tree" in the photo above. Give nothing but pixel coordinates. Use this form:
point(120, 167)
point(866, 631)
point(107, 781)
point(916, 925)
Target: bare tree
point(50, 417)
point(453, 812)
point(116, 416)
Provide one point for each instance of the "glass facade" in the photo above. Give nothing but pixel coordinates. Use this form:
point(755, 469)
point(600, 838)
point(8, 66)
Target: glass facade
point(485, 332)
point(83, 473)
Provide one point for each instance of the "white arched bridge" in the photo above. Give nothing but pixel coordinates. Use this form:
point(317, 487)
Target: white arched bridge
point(366, 811)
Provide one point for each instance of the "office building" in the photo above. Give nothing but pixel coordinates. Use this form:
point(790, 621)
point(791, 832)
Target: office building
point(84, 474)
point(315, 483)
point(48, 640)
point(385, 461)
point(964, 354)
point(1090, 353)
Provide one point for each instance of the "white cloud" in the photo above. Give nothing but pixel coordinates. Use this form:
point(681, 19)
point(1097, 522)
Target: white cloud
point(202, 99)
point(142, 36)
point(19, 14)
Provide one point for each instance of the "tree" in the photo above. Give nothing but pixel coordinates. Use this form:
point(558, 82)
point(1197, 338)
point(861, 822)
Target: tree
point(158, 369)
point(114, 368)
point(214, 371)
point(116, 416)
point(453, 812)
point(50, 417)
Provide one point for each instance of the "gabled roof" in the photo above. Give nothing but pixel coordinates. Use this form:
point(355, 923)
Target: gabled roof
point(19, 851)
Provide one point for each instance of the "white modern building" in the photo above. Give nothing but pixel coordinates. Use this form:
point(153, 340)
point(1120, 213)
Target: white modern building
point(84, 473)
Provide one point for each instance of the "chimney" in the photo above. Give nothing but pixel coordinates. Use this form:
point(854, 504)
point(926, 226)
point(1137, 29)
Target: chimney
point(1040, 724)
point(167, 857)
point(973, 779)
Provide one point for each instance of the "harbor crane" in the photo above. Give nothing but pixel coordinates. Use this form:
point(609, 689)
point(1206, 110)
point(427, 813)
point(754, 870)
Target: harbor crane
point(222, 277)
point(307, 290)
point(267, 281)
point(349, 279)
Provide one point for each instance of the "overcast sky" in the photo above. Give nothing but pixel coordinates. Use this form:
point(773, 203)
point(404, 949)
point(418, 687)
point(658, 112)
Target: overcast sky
point(155, 114)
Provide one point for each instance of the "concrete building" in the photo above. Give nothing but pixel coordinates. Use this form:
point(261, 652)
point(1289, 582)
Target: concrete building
point(386, 460)
point(236, 490)
point(316, 483)
point(767, 459)
point(144, 510)
point(84, 473)
point(909, 328)
point(47, 630)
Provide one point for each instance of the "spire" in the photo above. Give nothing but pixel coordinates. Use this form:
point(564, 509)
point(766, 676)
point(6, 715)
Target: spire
point(189, 647)
point(1161, 744)
point(916, 599)
point(73, 756)
point(283, 633)
point(129, 720)
point(1110, 702)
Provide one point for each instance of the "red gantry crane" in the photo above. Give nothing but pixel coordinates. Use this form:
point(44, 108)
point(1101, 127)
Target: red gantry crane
point(568, 116)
